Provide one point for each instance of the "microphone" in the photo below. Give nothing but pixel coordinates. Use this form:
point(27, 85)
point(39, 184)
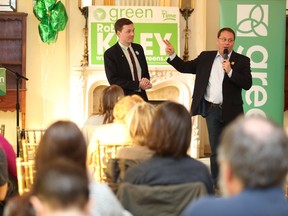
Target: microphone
point(225, 53)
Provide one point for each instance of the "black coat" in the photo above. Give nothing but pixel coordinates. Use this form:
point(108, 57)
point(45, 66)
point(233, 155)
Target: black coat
point(118, 71)
point(232, 87)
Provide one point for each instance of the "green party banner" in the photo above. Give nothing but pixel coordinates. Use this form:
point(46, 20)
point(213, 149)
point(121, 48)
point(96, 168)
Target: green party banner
point(152, 25)
point(2, 81)
point(260, 34)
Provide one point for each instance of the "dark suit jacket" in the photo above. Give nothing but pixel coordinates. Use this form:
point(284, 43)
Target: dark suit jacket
point(118, 71)
point(231, 87)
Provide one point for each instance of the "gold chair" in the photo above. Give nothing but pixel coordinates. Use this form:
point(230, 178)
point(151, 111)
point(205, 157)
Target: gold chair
point(33, 136)
point(25, 174)
point(28, 150)
point(2, 130)
point(101, 156)
point(28, 142)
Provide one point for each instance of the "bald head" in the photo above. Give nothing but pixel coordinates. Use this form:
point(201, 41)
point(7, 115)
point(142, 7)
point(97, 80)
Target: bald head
point(257, 151)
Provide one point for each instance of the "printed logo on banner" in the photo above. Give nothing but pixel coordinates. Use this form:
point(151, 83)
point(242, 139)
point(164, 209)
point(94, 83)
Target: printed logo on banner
point(252, 20)
point(99, 14)
point(168, 16)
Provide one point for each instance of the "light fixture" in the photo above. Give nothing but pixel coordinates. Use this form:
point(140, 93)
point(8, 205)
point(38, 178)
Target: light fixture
point(186, 7)
point(83, 7)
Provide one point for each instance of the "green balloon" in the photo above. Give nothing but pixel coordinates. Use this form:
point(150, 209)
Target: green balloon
point(39, 9)
point(49, 4)
point(58, 17)
point(47, 34)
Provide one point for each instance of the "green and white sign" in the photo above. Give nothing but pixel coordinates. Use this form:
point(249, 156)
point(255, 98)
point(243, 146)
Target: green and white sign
point(2, 81)
point(152, 25)
point(260, 34)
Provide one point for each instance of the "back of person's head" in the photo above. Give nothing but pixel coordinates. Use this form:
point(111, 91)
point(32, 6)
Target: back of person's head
point(61, 186)
point(170, 132)
point(19, 206)
point(61, 139)
point(123, 106)
point(110, 96)
point(118, 26)
point(256, 150)
point(138, 121)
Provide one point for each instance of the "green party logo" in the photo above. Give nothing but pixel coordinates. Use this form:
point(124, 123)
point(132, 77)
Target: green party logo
point(99, 14)
point(252, 20)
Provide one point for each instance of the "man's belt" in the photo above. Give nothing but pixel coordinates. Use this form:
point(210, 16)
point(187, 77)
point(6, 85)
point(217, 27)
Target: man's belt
point(214, 105)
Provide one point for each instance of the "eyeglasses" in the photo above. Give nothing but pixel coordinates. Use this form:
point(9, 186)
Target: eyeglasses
point(225, 39)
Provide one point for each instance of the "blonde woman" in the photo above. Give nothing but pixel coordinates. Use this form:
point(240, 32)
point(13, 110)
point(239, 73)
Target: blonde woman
point(138, 122)
point(113, 133)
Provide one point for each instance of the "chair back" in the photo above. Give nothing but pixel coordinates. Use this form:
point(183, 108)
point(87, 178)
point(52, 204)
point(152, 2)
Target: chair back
point(32, 135)
point(2, 130)
point(160, 200)
point(116, 169)
point(101, 156)
point(25, 174)
point(28, 141)
point(28, 150)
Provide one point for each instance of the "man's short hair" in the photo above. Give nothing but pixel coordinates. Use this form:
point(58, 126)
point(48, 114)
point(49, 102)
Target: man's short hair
point(257, 151)
point(226, 29)
point(118, 26)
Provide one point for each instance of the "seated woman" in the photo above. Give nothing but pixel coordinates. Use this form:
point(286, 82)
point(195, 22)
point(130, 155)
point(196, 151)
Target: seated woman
point(64, 139)
point(138, 121)
point(169, 137)
point(109, 98)
point(116, 132)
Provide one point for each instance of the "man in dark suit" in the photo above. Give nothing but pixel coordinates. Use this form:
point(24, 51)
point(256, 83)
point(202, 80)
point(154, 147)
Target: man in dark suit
point(219, 81)
point(253, 158)
point(125, 62)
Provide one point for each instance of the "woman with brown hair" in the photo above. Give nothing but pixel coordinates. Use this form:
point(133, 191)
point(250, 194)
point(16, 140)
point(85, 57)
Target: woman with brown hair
point(169, 137)
point(64, 139)
point(109, 97)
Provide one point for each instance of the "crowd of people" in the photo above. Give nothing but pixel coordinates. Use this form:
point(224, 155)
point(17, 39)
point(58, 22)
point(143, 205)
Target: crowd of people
point(249, 158)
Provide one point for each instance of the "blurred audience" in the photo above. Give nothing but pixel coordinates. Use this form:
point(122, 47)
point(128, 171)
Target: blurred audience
point(19, 206)
point(61, 188)
point(169, 137)
point(138, 121)
point(8, 174)
point(63, 139)
point(253, 159)
point(116, 132)
point(109, 97)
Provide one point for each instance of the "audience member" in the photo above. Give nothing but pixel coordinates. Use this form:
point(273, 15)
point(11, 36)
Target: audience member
point(10, 155)
point(169, 137)
point(19, 202)
point(65, 139)
point(3, 180)
point(253, 158)
point(72, 145)
point(116, 132)
point(61, 188)
point(138, 122)
point(11, 185)
point(109, 97)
